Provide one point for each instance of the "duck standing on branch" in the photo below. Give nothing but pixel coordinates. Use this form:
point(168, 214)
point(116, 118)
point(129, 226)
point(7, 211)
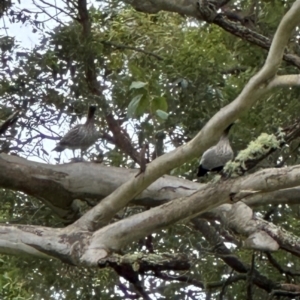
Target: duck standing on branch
point(81, 136)
point(216, 157)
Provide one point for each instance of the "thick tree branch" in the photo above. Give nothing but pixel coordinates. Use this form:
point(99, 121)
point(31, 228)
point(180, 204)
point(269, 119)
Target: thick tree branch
point(285, 196)
point(183, 7)
point(114, 236)
point(77, 246)
point(285, 80)
point(142, 262)
point(189, 8)
point(259, 149)
point(257, 86)
point(58, 186)
point(236, 264)
point(260, 234)
point(43, 242)
point(119, 234)
point(229, 258)
point(252, 37)
point(121, 137)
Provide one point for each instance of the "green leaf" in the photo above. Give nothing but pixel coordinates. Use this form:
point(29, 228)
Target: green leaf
point(159, 103)
point(136, 71)
point(162, 114)
point(142, 107)
point(137, 85)
point(133, 105)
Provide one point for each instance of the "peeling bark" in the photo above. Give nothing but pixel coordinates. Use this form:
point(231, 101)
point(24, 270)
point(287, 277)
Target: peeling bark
point(59, 185)
point(93, 238)
point(75, 245)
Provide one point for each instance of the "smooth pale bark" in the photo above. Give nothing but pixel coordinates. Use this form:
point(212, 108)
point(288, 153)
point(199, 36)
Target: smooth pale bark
point(260, 234)
point(42, 242)
point(183, 7)
point(59, 185)
point(285, 196)
point(76, 244)
point(258, 85)
point(119, 234)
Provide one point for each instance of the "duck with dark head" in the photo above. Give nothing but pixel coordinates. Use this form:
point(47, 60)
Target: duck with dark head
point(81, 136)
point(216, 157)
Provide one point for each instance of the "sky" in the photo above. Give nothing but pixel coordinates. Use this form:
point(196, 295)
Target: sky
point(23, 32)
point(28, 39)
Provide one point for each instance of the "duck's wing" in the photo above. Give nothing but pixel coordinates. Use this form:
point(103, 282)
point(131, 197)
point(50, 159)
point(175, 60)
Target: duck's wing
point(71, 138)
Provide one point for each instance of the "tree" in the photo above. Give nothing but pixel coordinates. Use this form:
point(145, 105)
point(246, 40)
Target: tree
point(132, 220)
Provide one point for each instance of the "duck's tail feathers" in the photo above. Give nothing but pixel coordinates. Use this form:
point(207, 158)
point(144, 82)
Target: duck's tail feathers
point(201, 171)
point(59, 148)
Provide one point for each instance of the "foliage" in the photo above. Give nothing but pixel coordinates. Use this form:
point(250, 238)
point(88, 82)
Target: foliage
point(160, 74)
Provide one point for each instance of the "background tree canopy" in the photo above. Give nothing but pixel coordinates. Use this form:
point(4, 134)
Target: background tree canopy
point(158, 71)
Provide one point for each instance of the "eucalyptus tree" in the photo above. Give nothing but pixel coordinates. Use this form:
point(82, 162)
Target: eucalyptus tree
point(132, 220)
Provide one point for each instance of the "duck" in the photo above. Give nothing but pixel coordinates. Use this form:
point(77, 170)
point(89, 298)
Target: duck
point(81, 136)
point(216, 157)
